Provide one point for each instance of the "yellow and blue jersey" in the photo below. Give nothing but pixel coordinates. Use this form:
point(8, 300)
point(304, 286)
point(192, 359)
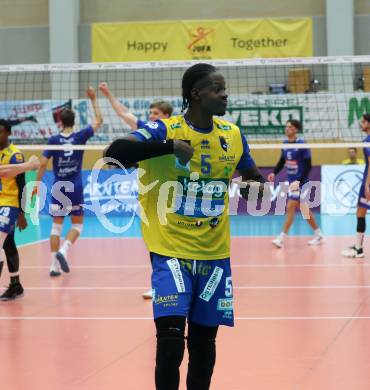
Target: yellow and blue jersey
point(186, 209)
point(8, 186)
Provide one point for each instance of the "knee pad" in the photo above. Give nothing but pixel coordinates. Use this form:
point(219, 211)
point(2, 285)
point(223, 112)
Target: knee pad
point(170, 341)
point(9, 246)
point(56, 229)
point(78, 227)
point(361, 225)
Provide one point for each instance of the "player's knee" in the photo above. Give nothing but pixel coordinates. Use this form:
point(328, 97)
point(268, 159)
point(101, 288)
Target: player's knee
point(9, 247)
point(170, 342)
point(78, 227)
point(56, 229)
point(361, 225)
point(2, 255)
point(202, 350)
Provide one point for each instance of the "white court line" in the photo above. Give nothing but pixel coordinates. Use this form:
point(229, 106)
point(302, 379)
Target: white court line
point(308, 318)
point(125, 266)
point(119, 288)
point(32, 243)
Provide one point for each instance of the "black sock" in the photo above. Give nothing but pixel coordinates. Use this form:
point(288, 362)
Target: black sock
point(14, 279)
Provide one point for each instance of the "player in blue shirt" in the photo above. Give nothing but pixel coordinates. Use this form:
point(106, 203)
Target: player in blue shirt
point(157, 110)
point(67, 191)
point(363, 198)
point(298, 164)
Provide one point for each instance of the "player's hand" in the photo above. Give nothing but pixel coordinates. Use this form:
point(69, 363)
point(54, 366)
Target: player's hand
point(21, 221)
point(183, 151)
point(294, 186)
point(367, 191)
point(91, 94)
point(34, 163)
point(103, 87)
point(271, 177)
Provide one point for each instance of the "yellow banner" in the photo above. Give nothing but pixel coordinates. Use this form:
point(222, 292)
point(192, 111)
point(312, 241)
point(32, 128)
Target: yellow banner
point(199, 40)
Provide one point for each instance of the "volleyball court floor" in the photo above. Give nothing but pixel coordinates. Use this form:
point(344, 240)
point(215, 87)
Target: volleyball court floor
point(302, 313)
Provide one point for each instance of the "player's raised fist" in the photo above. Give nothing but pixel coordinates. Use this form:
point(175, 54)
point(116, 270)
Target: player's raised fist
point(91, 93)
point(271, 177)
point(103, 87)
point(183, 151)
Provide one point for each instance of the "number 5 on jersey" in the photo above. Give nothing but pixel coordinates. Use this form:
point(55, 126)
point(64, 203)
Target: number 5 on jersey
point(205, 164)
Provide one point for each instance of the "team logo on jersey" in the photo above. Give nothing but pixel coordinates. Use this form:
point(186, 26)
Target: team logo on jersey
point(224, 144)
point(152, 125)
point(205, 144)
point(176, 126)
point(223, 127)
point(227, 171)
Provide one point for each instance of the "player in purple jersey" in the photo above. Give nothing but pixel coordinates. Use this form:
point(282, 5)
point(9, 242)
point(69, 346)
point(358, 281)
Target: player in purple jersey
point(67, 191)
point(298, 164)
point(157, 110)
point(363, 198)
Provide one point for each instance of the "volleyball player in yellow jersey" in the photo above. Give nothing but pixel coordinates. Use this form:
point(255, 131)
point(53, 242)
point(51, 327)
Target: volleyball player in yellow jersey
point(12, 181)
point(157, 110)
point(188, 234)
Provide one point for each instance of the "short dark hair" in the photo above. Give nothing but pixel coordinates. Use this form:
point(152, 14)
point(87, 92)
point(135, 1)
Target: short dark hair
point(352, 148)
point(191, 76)
point(366, 117)
point(165, 107)
point(295, 123)
point(67, 117)
point(4, 123)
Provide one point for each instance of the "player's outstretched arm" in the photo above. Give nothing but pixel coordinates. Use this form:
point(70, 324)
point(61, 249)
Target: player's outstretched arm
point(94, 102)
point(129, 150)
point(12, 170)
point(40, 173)
point(122, 111)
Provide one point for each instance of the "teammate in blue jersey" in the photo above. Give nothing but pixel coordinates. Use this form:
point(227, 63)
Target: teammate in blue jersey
point(157, 110)
point(67, 191)
point(298, 164)
point(363, 198)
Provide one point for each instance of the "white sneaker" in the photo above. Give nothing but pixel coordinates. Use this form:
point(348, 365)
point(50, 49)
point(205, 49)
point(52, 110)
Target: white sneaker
point(353, 252)
point(55, 269)
point(148, 294)
point(278, 242)
point(317, 240)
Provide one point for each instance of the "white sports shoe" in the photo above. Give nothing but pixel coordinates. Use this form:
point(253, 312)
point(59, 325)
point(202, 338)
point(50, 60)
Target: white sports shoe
point(55, 269)
point(148, 294)
point(353, 252)
point(278, 242)
point(317, 240)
